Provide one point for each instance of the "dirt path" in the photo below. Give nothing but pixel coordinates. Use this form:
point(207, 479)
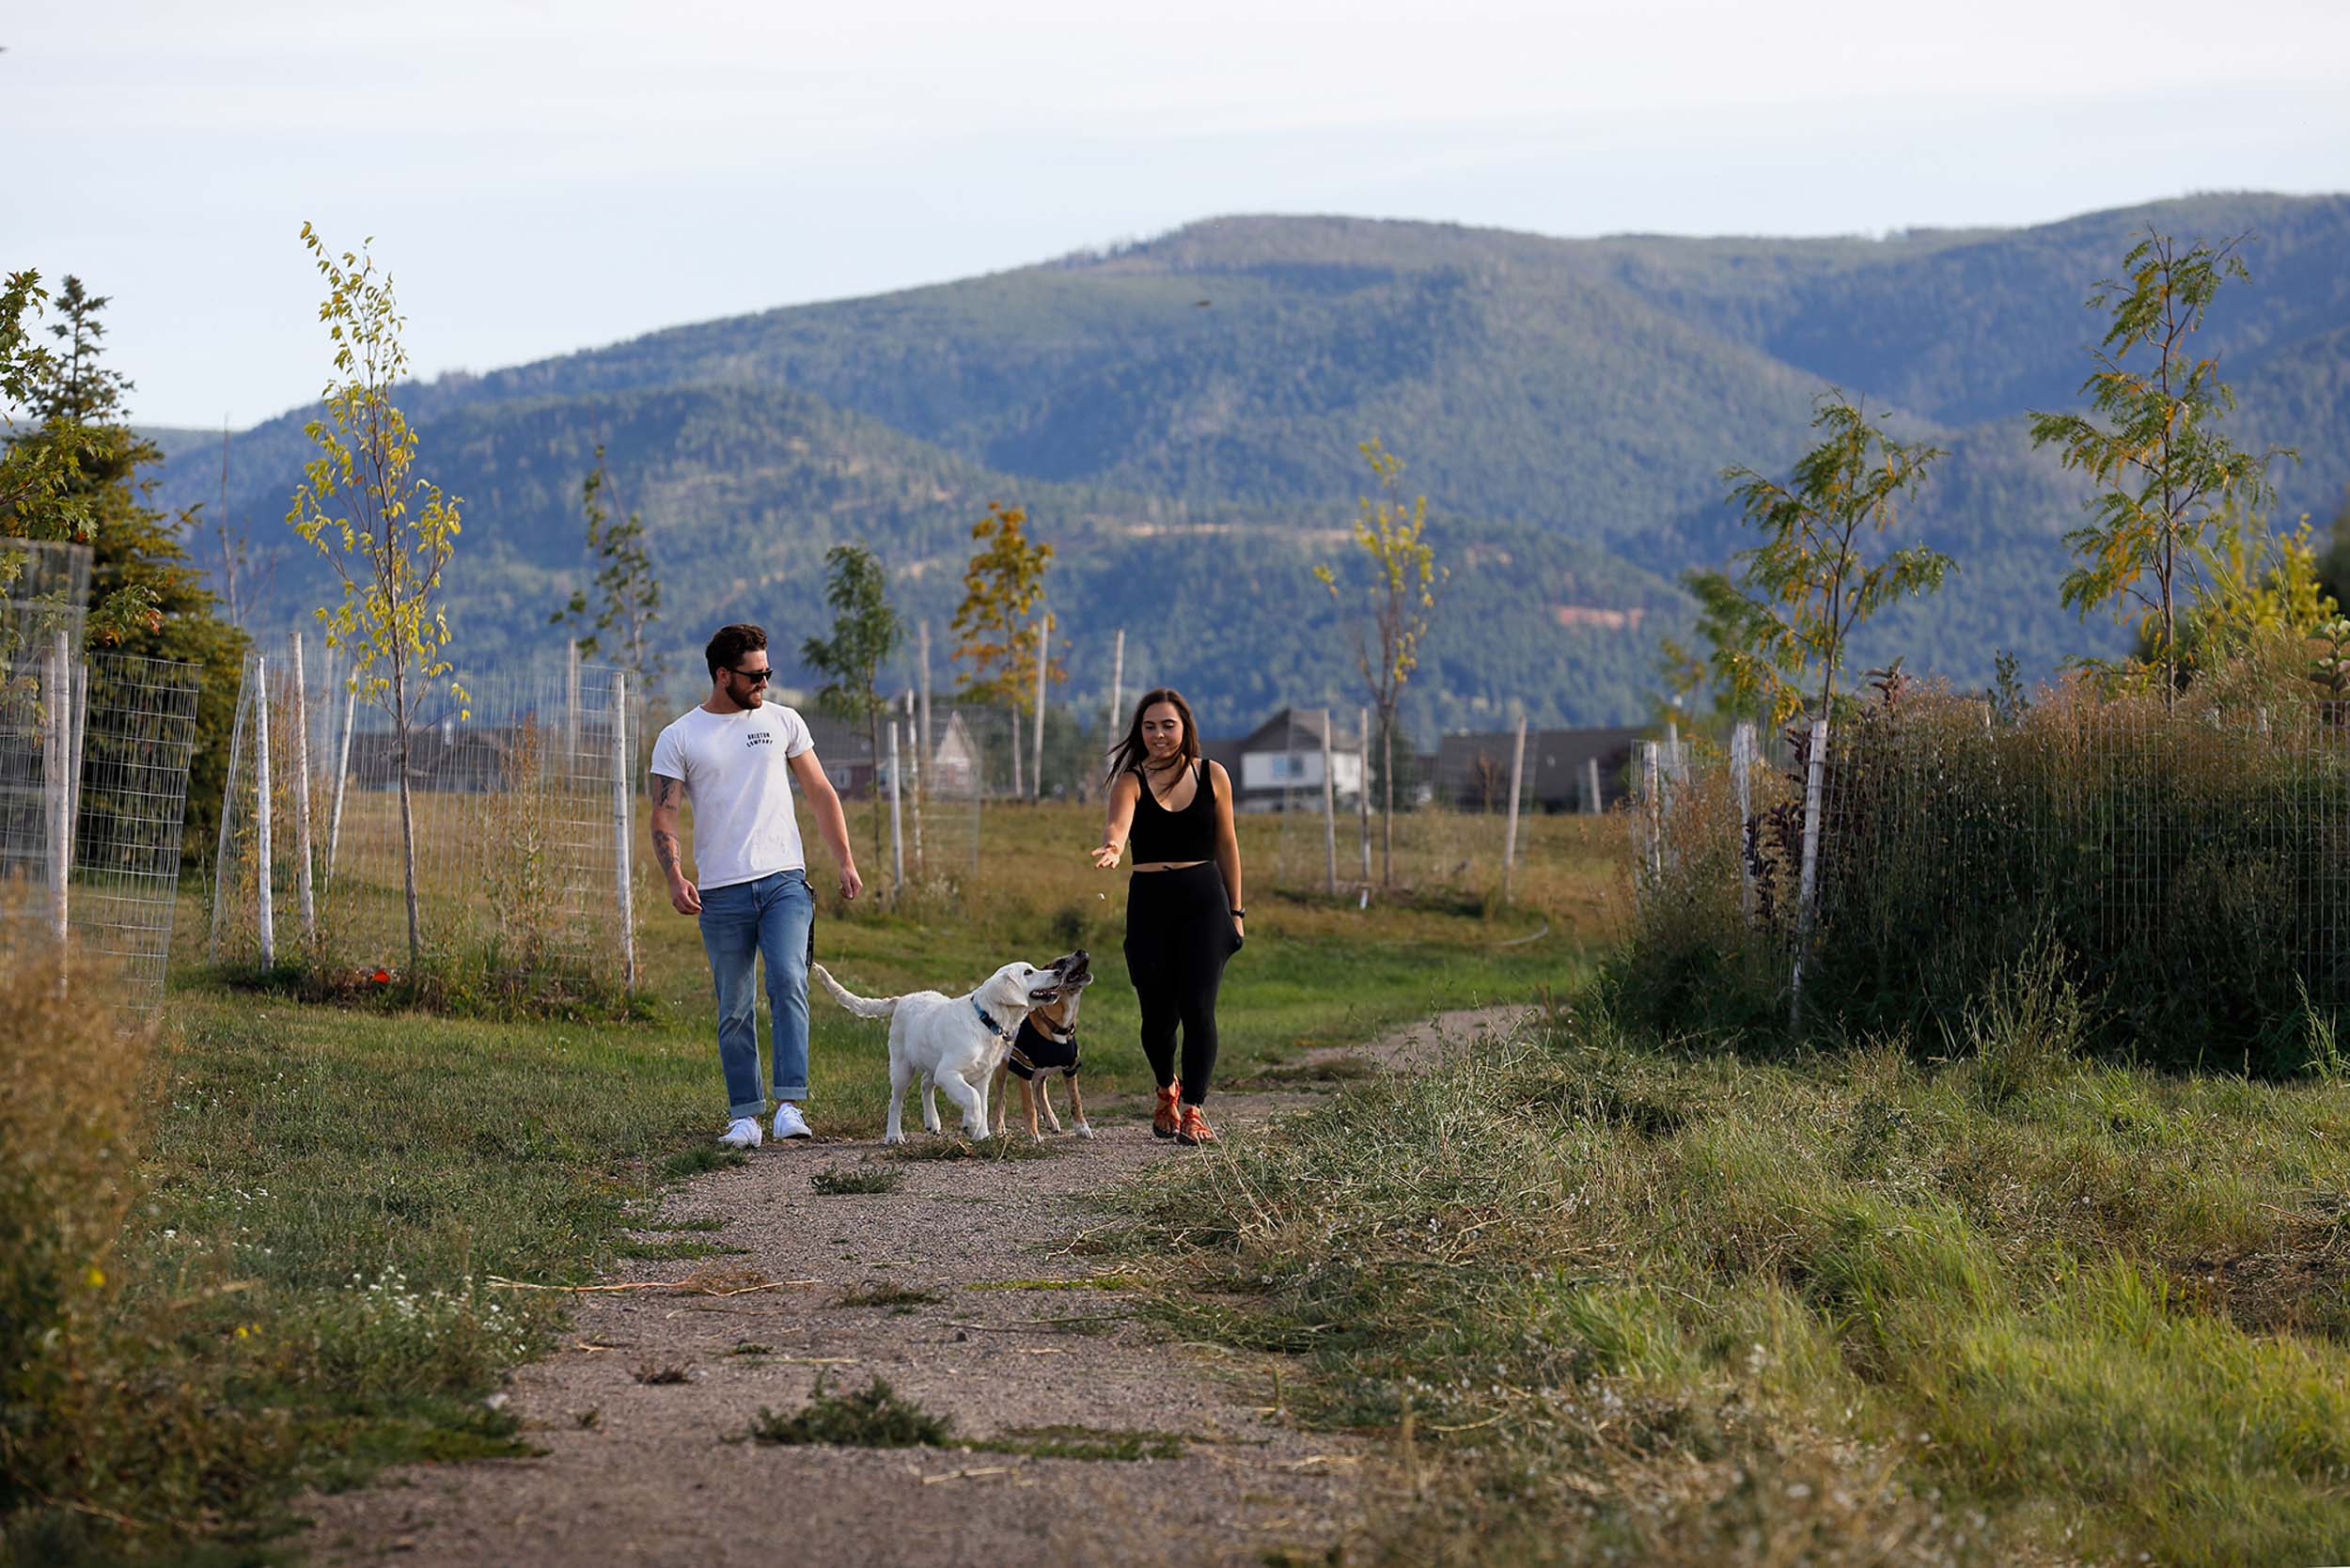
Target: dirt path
point(639, 1471)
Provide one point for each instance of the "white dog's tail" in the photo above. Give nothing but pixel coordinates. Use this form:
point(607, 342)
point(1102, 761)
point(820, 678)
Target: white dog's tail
point(864, 1007)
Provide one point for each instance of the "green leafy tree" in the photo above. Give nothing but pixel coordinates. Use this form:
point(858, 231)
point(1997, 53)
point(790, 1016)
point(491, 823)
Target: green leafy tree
point(1003, 584)
point(2165, 473)
point(1802, 591)
point(2257, 588)
point(387, 532)
point(864, 632)
point(1399, 599)
point(628, 589)
point(1725, 622)
point(147, 598)
point(1003, 589)
point(68, 470)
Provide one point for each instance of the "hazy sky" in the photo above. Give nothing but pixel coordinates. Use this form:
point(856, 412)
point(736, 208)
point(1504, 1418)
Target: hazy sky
point(544, 177)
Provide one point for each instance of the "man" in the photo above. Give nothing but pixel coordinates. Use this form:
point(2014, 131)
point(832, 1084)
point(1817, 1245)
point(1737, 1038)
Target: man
point(733, 757)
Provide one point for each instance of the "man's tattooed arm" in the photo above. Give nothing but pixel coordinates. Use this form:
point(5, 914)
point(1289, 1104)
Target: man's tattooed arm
point(668, 794)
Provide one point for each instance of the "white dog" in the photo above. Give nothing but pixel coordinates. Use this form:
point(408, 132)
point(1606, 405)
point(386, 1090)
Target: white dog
point(951, 1042)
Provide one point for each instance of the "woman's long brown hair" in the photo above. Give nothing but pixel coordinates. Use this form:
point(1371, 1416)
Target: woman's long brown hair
point(1132, 752)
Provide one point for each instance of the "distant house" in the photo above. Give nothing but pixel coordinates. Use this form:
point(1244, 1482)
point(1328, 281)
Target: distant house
point(847, 752)
point(1277, 765)
point(845, 749)
point(1472, 768)
point(458, 758)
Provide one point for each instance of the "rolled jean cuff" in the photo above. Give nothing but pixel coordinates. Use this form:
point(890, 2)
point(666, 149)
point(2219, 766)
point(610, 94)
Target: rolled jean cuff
point(799, 1093)
point(755, 1109)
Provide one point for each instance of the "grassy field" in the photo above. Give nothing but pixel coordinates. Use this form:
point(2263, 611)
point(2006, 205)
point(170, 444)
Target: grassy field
point(1608, 1298)
point(298, 1294)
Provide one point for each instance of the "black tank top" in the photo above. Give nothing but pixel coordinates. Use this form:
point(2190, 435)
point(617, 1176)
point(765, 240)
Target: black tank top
point(1162, 834)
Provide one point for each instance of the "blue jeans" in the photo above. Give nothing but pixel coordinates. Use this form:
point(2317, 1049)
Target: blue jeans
point(774, 918)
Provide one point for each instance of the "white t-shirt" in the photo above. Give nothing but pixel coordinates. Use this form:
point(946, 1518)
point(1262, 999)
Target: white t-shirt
point(734, 769)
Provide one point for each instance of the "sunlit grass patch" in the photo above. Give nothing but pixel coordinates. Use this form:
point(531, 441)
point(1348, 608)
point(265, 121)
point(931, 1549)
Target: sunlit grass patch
point(1595, 1281)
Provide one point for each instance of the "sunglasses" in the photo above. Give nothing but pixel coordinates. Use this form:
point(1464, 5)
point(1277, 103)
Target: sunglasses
point(755, 677)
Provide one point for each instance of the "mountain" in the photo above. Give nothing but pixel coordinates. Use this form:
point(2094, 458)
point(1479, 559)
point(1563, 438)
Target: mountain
point(1181, 417)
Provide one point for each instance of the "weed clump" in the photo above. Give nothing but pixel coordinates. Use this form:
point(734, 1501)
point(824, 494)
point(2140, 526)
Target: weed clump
point(845, 1180)
point(886, 1295)
point(874, 1417)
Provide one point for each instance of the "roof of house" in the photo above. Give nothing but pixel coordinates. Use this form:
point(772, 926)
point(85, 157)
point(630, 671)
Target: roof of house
point(1287, 729)
point(1554, 759)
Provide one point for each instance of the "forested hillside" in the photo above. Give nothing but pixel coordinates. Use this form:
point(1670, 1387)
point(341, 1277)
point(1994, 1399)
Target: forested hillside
point(1181, 417)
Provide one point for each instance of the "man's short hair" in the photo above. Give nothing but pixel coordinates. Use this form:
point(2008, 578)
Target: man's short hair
point(727, 649)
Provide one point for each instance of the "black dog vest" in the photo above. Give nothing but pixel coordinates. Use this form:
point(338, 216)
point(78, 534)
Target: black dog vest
point(1033, 1051)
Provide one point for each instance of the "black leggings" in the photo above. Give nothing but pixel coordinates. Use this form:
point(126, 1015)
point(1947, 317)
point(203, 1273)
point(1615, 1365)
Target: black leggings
point(1179, 933)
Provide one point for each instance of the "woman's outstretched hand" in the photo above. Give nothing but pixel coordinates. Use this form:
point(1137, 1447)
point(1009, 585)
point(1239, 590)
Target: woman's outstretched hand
point(1106, 858)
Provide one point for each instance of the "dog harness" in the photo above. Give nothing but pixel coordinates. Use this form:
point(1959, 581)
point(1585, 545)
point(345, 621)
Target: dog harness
point(1038, 1050)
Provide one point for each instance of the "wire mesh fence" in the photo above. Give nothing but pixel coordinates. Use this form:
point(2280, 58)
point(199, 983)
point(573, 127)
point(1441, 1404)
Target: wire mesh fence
point(43, 590)
point(1481, 814)
point(518, 813)
point(2191, 864)
point(138, 739)
point(94, 755)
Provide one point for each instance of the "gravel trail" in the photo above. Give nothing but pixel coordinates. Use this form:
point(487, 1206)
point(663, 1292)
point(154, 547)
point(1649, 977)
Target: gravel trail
point(996, 1329)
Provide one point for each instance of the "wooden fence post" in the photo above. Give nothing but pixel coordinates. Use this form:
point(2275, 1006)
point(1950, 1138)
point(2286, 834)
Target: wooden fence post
point(56, 714)
point(221, 871)
point(1118, 683)
point(1329, 812)
point(75, 739)
point(896, 818)
point(1044, 658)
point(264, 910)
point(926, 691)
point(623, 825)
point(304, 896)
point(917, 772)
point(342, 773)
point(1808, 883)
point(571, 705)
point(1362, 790)
point(1517, 781)
point(1591, 774)
point(1652, 809)
point(1742, 779)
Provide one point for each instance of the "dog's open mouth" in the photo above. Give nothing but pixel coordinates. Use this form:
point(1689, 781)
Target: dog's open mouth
point(1067, 973)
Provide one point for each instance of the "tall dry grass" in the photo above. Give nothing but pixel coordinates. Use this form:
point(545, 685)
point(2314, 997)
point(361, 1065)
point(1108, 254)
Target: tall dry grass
point(104, 1437)
point(2191, 863)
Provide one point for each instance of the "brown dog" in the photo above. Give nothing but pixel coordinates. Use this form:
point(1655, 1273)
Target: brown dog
point(1047, 1043)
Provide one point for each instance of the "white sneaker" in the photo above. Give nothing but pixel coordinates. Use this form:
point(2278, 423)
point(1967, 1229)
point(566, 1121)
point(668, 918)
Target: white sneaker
point(742, 1133)
point(791, 1123)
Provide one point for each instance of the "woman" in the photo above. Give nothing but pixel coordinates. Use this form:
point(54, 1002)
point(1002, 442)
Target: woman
point(1183, 912)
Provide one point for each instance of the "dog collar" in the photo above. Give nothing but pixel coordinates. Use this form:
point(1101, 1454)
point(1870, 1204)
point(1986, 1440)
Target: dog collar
point(1057, 1039)
point(993, 1027)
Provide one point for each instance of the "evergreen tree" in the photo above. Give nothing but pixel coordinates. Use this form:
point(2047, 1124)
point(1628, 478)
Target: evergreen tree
point(147, 598)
